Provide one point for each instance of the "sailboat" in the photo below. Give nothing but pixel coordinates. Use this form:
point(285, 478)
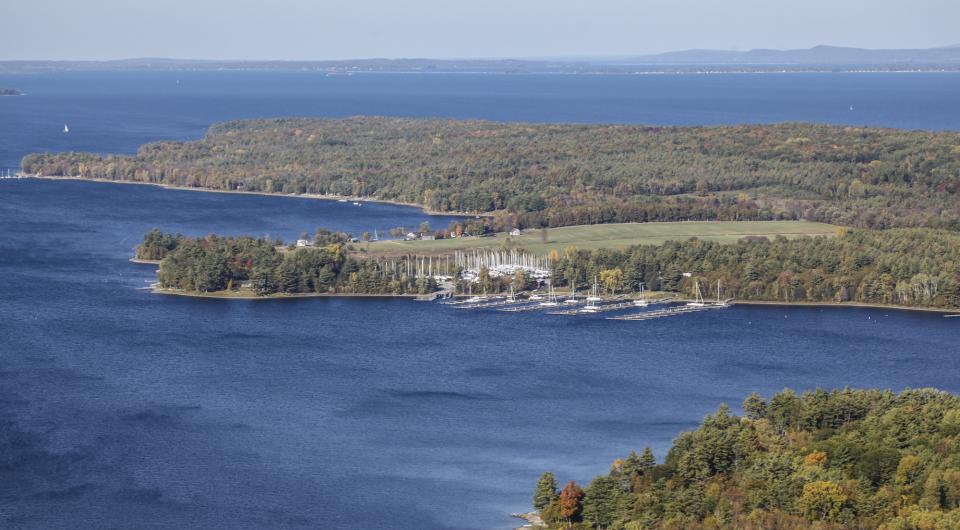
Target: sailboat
point(698, 297)
point(573, 294)
point(551, 300)
point(65, 128)
point(595, 294)
point(642, 301)
point(592, 300)
point(720, 303)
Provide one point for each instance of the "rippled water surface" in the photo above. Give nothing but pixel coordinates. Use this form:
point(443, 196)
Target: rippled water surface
point(124, 409)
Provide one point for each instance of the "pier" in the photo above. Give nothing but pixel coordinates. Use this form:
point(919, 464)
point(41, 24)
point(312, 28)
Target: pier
point(617, 305)
point(669, 312)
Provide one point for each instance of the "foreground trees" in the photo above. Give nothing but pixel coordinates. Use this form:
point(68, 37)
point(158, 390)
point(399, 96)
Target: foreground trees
point(829, 460)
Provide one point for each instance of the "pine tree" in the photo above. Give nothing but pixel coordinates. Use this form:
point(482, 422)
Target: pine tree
point(600, 502)
point(647, 461)
point(546, 491)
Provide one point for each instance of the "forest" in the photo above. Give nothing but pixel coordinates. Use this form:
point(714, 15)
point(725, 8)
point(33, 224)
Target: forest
point(533, 175)
point(853, 459)
point(905, 266)
point(264, 267)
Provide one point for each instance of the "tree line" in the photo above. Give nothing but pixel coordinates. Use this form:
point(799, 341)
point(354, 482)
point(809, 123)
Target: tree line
point(910, 266)
point(533, 175)
point(264, 267)
point(827, 460)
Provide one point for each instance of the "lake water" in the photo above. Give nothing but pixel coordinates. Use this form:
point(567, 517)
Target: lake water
point(133, 410)
point(119, 111)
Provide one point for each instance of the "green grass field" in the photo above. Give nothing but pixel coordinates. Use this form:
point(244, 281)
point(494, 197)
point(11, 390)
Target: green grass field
point(590, 237)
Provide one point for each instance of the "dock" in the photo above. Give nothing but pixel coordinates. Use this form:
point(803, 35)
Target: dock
point(669, 312)
point(604, 308)
point(503, 303)
point(534, 306)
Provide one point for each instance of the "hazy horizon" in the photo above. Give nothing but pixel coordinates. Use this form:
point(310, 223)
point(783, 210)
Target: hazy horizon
point(296, 30)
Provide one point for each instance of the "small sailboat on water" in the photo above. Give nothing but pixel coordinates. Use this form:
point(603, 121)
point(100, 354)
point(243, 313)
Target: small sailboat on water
point(65, 128)
point(595, 293)
point(551, 300)
point(573, 294)
point(697, 296)
point(642, 301)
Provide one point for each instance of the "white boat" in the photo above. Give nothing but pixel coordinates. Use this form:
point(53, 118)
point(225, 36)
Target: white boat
point(551, 300)
point(642, 301)
point(595, 293)
point(356, 204)
point(573, 295)
point(65, 128)
point(698, 297)
point(535, 297)
point(341, 200)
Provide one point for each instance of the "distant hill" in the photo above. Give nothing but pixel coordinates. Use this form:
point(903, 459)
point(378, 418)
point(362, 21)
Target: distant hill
point(817, 58)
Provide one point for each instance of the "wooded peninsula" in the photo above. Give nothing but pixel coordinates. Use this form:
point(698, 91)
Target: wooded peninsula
point(533, 175)
point(825, 460)
point(907, 267)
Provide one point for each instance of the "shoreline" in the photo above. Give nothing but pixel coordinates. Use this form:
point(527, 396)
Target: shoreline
point(145, 261)
point(240, 295)
point(330, 197)
point(863, 305)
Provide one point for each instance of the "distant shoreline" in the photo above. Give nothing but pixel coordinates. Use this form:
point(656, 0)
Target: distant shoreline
point(329, 197)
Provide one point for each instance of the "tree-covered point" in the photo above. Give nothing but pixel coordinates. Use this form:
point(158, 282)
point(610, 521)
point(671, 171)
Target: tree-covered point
point(557, 175)
point(853, 459)
point(909, 266)
point(263, 267)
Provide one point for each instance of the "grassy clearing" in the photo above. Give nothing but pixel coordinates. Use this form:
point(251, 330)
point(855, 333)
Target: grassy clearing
point(590, 237)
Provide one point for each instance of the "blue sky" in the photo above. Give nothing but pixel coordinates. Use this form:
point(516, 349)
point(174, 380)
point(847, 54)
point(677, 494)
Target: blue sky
point(343, 29)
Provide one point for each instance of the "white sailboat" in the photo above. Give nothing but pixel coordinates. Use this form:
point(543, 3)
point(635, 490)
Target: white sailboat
point(698, 297)
point(720, 302)
point(573, 294)
point(65, 128)
point(551, 300)
point(595, 294)
point(642, 301)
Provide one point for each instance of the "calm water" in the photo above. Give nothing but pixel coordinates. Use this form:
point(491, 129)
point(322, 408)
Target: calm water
point(134, 410)
point(140, 410)
point(117, 112)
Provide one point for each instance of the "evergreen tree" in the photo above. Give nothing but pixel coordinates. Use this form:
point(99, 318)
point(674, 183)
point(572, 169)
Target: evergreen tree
point(546, 491)
point(600, 502)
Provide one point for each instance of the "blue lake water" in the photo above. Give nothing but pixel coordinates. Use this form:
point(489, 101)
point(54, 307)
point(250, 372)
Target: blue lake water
point(119, 111)
point(133, 410)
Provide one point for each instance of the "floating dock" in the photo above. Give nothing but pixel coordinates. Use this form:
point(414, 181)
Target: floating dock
point(604, 308)
point(669, 312)
point(505, 302)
